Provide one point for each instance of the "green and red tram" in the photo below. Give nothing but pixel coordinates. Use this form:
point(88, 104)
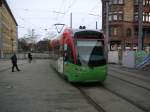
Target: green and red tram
point(79, 55)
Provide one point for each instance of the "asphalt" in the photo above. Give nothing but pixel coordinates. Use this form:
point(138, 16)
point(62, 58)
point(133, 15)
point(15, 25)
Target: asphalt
point(38, 88)
point(6, 64)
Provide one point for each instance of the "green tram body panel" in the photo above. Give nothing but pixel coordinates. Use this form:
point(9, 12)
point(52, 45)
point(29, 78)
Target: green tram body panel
point(76, 73)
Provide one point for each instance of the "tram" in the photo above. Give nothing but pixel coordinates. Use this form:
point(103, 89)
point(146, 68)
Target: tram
point(79, 55)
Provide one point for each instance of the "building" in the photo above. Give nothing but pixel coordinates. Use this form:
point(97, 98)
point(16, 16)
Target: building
point(43, 45)
point(8, 30)
point(123, 23)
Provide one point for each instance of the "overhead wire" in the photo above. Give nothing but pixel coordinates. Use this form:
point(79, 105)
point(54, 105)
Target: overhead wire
point(65, 6)
point(71, 5)
point(95, 6)
point(68, 6)
point(59, 12)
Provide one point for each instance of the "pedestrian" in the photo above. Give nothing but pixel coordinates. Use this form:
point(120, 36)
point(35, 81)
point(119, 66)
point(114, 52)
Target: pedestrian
point(29, 57)
point(14, 62)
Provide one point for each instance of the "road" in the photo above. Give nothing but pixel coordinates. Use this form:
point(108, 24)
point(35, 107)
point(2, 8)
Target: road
point(38, 88)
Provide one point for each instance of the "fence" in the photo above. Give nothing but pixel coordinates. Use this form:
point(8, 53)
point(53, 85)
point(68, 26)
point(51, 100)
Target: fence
point(24, 55)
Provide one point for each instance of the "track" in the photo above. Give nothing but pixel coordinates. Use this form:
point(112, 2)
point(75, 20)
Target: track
point(98, 107)
point(101, 106)
point(129, 82)
point(127, 74)
point(139, 80)
point(133, 102)
point(128, 100)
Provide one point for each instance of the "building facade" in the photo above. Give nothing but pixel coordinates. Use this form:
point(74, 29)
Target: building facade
point(8, 30)
point(123, 23)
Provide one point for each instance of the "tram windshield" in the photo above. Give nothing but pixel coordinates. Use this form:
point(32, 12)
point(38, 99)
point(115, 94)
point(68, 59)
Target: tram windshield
point(90, 52)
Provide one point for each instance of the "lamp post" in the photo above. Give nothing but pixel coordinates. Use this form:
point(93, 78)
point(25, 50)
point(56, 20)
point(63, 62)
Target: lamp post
point(107, 26)
point(107, 40)
point(96, 23)
point(140, 32)
point(70, 20)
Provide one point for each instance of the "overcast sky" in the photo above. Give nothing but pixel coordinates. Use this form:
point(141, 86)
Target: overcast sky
point(43, 14)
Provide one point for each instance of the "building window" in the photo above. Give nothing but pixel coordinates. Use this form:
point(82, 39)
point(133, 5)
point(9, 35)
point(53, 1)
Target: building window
point(136, 32)
point(120, 15)
point(129, 32)
point(115, 16)
point(136, 2)
point(147, 33)
point(149, 16)
point(136, 17)
point(116, 2)
point(145, 2)
point(110, 18)
point(120, 1)
point(113, 31)
point(146, 16)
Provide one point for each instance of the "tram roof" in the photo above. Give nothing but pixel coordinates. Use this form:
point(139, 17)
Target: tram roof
point(76, 31)
point(80, 30)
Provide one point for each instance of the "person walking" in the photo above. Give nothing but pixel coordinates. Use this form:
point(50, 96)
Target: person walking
point(29, 57)
point(14, 62)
